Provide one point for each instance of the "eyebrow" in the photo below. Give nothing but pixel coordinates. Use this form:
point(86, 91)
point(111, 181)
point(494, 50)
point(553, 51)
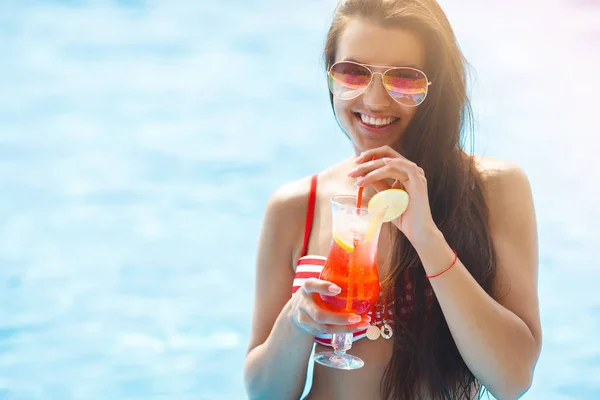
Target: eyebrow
point(395, 66)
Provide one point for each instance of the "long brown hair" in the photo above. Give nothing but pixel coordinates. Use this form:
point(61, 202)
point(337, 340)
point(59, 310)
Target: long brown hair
point(425, 360)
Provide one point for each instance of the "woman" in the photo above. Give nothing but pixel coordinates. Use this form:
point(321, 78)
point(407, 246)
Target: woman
point(460, 263)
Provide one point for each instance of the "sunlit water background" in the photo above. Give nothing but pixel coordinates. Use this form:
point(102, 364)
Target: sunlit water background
point(140, 140)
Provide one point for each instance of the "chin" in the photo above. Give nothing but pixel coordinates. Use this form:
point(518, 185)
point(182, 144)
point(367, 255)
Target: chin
point(364, 140)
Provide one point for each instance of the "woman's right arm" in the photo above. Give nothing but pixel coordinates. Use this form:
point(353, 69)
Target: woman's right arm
point(284, 325)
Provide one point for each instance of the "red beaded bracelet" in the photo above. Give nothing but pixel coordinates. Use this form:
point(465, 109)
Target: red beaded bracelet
point(451, 265)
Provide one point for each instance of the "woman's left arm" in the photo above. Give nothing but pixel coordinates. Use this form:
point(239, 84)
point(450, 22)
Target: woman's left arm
point(498, 336)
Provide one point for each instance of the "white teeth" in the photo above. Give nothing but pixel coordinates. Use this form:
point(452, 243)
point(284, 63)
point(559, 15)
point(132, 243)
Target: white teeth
point(376, 121)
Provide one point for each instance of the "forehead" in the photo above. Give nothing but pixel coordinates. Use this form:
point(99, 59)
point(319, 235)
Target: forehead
point(370, 43)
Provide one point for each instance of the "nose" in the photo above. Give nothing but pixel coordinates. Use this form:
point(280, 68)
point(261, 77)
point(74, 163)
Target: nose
point(376, 97)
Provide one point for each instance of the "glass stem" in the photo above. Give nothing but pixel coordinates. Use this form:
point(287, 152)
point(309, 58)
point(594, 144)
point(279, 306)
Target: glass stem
point(341, 342)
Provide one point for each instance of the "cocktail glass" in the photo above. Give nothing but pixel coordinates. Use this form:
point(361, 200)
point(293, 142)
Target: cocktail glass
point(352, 265)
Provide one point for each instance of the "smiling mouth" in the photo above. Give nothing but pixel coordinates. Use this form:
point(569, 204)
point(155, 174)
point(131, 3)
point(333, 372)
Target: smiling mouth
point(377, 123)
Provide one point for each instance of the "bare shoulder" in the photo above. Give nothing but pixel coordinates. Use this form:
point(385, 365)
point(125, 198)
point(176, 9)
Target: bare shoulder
point(511, 215)
point(493, 168)
point(290, 198)
point(505, 182)
point(286, 212)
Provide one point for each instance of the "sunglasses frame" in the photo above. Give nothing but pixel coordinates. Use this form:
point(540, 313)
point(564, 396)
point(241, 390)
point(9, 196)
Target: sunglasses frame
point(386, 70)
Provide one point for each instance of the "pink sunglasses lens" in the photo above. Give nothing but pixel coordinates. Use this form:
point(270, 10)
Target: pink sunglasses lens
point(348, 80)
point(407, 86)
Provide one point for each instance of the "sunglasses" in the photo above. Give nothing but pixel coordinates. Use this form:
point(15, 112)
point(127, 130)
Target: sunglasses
point(406, 85)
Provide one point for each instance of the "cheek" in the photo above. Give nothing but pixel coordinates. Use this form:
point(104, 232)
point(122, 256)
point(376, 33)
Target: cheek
point(344, 116)
point(409, 113)
point(342, 109)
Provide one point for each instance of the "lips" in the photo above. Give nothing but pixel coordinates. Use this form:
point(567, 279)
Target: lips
point(377, 122)
point(376, 125)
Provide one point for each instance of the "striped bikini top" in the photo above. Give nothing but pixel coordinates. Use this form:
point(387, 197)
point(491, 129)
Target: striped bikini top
point(310, 266)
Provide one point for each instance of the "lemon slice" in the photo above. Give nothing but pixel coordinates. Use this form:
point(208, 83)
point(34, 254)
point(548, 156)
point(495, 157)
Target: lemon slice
point(344, 245)
point(391, 203)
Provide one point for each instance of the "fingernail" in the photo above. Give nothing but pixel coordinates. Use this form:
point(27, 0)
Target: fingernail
point(335, 289)
point(354, 319)
point(353, 173)
point(387, 159)
point(359, 182)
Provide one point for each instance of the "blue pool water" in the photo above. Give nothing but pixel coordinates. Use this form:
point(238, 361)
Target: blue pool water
point(140, 140)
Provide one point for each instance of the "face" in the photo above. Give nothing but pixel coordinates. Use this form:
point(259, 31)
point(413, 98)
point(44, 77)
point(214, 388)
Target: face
point(368, 43)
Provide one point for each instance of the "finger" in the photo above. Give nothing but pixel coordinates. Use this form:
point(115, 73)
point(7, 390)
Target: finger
point(397, 185)
point(380, 152)
point(387, 172)
point(361, 326)
point(406, 166)
point(306, 323)
point(314, 285)
point(324, 317)
point(381, 186)
point(415, 174)
point(365, 168)
point(309, 325)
